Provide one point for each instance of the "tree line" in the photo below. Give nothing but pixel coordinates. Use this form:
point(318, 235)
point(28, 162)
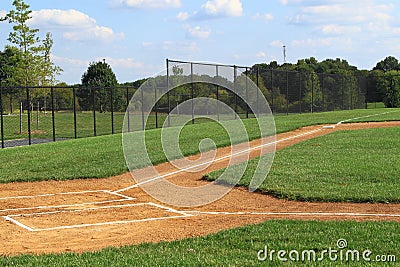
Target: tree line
point(27, 62)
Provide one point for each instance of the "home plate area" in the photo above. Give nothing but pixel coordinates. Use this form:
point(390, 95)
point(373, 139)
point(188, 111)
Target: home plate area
point(81, 209)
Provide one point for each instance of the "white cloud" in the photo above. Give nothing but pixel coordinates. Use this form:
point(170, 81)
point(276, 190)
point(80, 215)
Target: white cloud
point(3, 13)
point(261, 55)
point(198, 32)
point(266, 16)
point(152, 4)
point(126, 63)
point(276, 43)
point(182, 16)
point(338, 29)
point(223, 8)
point(74, 25)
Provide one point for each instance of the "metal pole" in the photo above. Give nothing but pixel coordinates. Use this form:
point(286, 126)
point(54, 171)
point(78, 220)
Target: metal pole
point(323, 93)
point(29, 116)
point(20, 116)
point(37, 116)
point(156, 105)
point(258, 89)
point(192, 90)
point(169, 103)
point(312, 94)
point(128, 109)
point(272, 89)
point(112, 109)
point(142, 104)
point(217, 89)
point(94, 111)
point(53, 123)
point(300, 93)
point(74, 109)
point(247, 95)
point(2, 119)
point(287, 92)
point(234, 89)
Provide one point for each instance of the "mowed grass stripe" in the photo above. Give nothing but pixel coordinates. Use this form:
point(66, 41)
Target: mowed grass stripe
point(355, 166)
point(102, 156)
point(239, 247)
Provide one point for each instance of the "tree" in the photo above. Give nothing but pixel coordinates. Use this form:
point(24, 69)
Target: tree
point(388, 64)
point(35, 66)
point(9, 60)
point(98, 83)
point(25, 38)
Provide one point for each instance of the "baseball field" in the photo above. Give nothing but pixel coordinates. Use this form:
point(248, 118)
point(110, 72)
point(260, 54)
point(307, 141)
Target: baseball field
point(331, 198)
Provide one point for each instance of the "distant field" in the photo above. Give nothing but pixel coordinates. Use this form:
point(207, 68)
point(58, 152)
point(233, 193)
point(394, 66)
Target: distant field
point(102, 156)
point(41, 123)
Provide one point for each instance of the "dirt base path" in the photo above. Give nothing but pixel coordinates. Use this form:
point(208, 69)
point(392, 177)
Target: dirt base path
point(87, 215)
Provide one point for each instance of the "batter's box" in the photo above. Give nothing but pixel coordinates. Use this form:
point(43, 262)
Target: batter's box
point(59, 200)
point(99, 216)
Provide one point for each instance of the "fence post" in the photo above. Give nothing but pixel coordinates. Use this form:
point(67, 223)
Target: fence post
point(287, 92)
point(343, 92)
point(312, 94)
point(112, 109)
point(94, 111)
point(74, 109)
point(300, 92)
point(142, 109)
point(247, 94)
point(156, 105)
point(1, 115)
point(234, 89)
point(29, 116)
point(323, 92)
point(217, 91)
point(272, 90)
point(192, 90)
point(53, 123)
point(128, 109)
point(258, 89)
point(168, 99)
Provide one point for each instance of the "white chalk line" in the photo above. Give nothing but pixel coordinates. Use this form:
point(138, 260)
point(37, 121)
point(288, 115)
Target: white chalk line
point(187, 213)
point(317, 214)
point(11, 218)
point(367, 116)
point(215, 160)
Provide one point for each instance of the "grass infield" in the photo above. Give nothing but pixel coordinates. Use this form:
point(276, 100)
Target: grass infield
point(353, 166)
point(102, 156)
point(240, 246)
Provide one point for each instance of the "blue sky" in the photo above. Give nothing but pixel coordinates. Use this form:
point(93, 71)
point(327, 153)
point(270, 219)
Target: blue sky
point(136, 36)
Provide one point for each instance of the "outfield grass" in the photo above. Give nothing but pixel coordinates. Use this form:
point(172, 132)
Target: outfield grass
point(354, 166)
point(102, 156)
point(240, 246)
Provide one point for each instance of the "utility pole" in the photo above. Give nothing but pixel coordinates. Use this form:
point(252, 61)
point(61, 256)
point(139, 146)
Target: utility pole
point(284, 54)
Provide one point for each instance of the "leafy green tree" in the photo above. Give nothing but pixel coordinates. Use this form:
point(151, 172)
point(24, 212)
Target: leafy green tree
point(9, 60)
point(25, 39)
point(98, 84)
point(388, 64)
point(35, 66)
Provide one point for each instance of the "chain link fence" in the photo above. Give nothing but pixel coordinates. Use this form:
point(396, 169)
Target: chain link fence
point(31, 115)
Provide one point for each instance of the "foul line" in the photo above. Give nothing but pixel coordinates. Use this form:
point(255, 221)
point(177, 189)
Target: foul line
point(367, 116)
point(215, 160)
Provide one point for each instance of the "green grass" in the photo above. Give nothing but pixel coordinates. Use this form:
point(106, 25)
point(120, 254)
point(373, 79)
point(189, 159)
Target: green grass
point(376, 105)
point(239, 247)
point(102, 156)
point(356, 166)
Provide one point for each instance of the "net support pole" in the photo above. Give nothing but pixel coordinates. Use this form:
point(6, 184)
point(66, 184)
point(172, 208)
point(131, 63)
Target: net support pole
point(1, 117)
